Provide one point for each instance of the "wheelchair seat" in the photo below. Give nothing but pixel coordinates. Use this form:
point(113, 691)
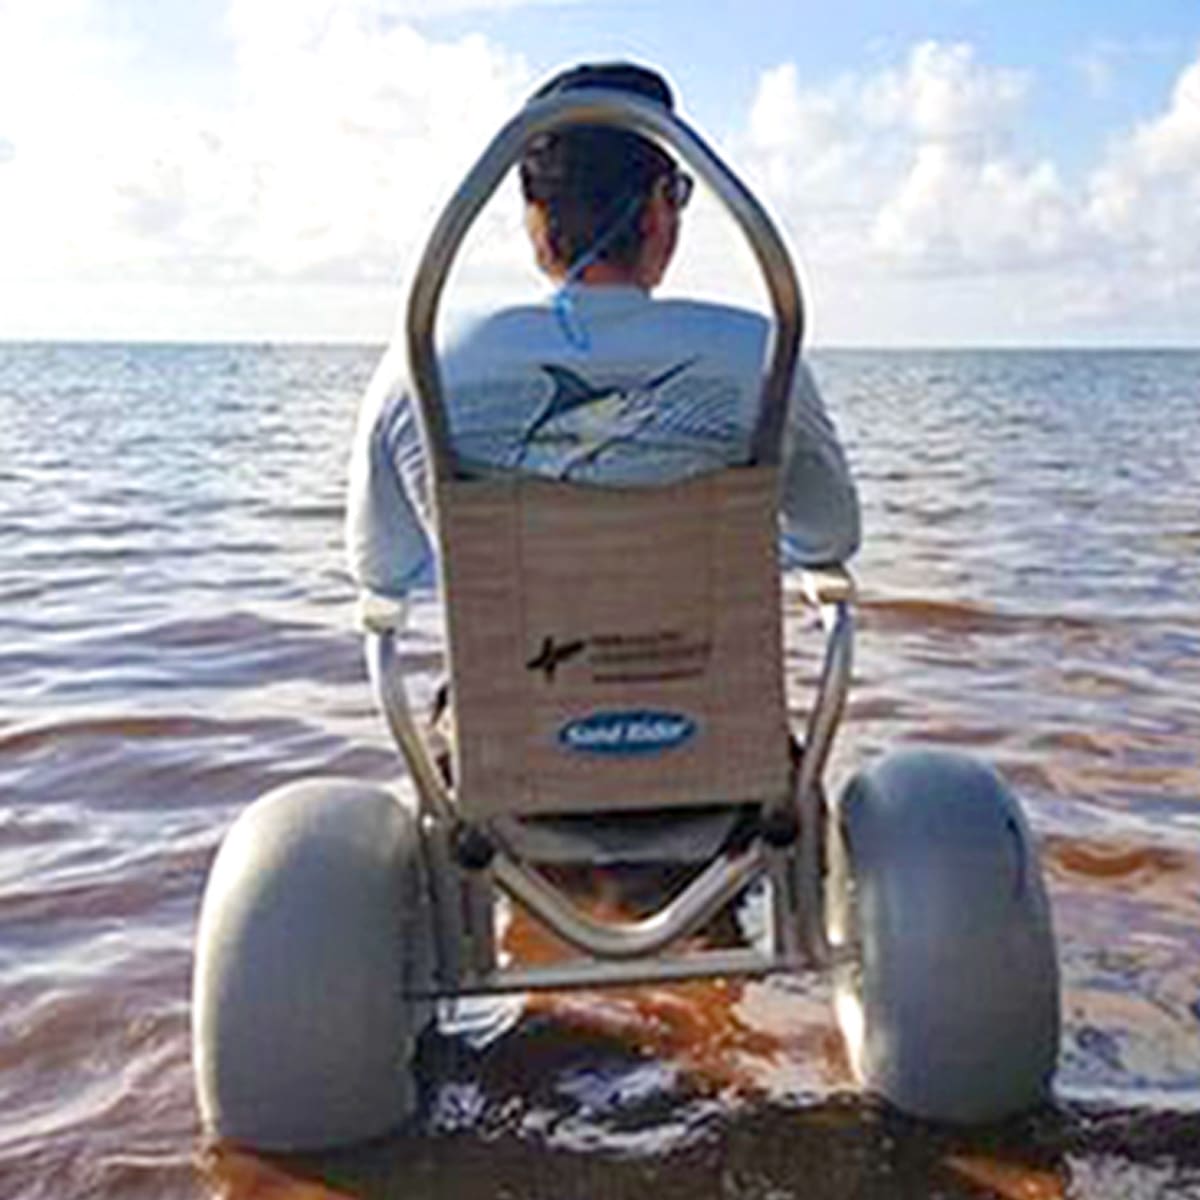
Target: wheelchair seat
point(612, 652)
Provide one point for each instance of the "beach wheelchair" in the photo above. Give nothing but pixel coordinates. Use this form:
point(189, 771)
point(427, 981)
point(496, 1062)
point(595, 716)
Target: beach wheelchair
point(617, 681)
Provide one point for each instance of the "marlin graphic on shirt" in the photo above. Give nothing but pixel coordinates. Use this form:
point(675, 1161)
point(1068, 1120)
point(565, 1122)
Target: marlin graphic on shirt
point(633, 408)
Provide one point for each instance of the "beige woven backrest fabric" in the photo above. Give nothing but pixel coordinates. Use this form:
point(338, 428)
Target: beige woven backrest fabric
point(614, 648)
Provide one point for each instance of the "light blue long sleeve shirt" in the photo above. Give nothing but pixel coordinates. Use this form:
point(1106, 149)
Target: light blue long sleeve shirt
point(617, 388)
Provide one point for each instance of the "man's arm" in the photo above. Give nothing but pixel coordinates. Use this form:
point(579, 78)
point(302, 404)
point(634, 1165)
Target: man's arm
point(818, 500)
point(387, 545)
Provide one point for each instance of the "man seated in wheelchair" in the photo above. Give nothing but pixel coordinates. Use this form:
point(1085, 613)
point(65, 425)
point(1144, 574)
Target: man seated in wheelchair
point(601, 384)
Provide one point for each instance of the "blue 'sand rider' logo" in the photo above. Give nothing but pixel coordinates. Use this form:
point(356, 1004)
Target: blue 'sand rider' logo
point(631, 732)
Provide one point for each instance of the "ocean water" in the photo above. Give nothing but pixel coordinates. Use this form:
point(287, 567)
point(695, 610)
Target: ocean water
point(175, 638)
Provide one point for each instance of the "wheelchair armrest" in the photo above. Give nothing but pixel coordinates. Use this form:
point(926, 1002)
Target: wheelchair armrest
point(827, 585)
point(375, 613)
point(830, 590)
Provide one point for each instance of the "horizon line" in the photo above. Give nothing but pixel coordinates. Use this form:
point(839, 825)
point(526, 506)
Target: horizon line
point(290, 342)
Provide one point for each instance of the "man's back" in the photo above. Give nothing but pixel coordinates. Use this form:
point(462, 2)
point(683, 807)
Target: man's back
point(605, 386)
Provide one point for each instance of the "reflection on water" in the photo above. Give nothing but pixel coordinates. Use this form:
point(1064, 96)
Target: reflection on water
point(175, 638)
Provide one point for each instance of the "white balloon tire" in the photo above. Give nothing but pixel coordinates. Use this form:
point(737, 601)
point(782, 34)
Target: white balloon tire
point(949, 1002)
point(313, 936)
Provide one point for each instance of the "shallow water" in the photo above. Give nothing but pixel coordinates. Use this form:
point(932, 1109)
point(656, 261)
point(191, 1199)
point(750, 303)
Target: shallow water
point(175, 638)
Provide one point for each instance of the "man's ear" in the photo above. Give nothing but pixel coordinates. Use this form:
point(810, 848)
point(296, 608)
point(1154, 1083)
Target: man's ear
point(537, 225)
point(657, 214)
point(660, 232)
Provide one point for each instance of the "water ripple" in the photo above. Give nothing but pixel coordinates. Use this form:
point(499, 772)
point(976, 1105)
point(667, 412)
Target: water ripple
point(177, 640)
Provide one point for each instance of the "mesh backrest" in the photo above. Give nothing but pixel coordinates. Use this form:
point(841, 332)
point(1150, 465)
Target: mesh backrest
point(614, 648)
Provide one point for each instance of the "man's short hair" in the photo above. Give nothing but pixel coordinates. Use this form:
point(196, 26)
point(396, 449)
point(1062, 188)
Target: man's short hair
point(592, 180)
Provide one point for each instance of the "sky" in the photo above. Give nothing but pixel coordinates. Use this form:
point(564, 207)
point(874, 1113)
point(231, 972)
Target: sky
point(946, 172)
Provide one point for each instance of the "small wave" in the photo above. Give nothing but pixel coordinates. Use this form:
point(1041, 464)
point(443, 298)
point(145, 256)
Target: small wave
point(19, 828)
point(119, 891)
point(1095, 859)
point(904, 614)
point(226, 631)
point(956, 734)
point(22, 592)
point(305, 512)
point(27, 739)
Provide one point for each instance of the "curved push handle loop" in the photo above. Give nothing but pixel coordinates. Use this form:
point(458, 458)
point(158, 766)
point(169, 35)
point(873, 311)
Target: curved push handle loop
point(620, 109)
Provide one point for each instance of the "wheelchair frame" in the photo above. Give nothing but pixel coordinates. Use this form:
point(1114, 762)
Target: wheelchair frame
point(470, 863)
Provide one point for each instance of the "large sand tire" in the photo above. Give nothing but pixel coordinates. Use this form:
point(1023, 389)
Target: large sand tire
point(313, 936)
point(950, 1007)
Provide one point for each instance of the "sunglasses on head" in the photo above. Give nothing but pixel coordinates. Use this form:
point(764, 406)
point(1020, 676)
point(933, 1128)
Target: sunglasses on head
point(677, 188)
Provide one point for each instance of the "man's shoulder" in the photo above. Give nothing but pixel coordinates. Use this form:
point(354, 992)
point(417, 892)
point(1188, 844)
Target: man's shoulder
point(535, 320)
point(724, 321)
point(607, 332)
point(710, 310)
point(501, 328)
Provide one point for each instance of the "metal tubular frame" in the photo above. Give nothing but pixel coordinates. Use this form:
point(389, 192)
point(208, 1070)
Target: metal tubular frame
point(618, 952)
point(600, 107)
point(707, 893)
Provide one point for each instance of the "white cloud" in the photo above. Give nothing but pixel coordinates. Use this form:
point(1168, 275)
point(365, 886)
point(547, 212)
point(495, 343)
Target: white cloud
point(348, 123)
point(810, 154)
point(58, 100)
point(954, 212)
point(804, 125)
point(288, 18)
point(907, 187)
point(350, 129)
point(53, 55)
point(944, 95)
point(1144, 203)
point(347, 129)
point(1142, 206)
point(1147, 192)
point(964, 201)
point(907, 168)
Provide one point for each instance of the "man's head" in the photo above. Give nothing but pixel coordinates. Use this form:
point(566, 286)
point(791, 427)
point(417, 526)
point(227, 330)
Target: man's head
point(605, 198)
